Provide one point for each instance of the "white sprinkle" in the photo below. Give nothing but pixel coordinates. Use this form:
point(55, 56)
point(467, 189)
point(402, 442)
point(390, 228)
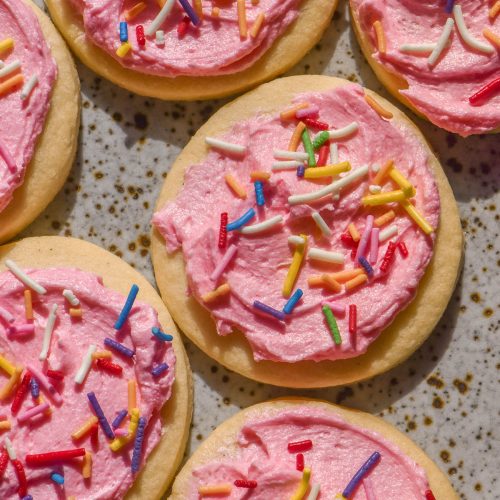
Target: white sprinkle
point(387, 233)
point(262, 226)
point(10, 68)
point(375, 168)
point(2, 64)
point(47, 334)
point(22, 276)
point(281, 154)
point(335, 196)
point(374, 189)
point(325, 256)
point(334, 153)
point(296, 240)
point(70, 297)
point(286, 165)
point(10, 449)
point(6, 315)
point(417, 48)
point(331, 188)
point(466, 34)
point(441, 43)
point(85, 366)
point(320, 222)
point(158, 20)
point(225, 146)
point(343, 132)
point(160, 38)
point(28, 87)
point(313, 494)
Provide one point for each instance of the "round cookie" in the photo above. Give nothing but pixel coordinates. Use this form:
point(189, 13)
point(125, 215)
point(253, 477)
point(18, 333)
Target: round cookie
point(395, 344)
point(54, 251)
point(286, 51)
point(223, 442)
point(56, 146)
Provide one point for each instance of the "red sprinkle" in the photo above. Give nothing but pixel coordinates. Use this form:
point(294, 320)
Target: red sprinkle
point(55, 374)
point(54, 456)
point(389, 254)
point(300, 461)
point(353, 319)
point(21, 477)
point(245, 483)
point(346, 239)
point(324, 152)
point(20, 393)
point(315, 124)
point(94, 435)
point(109, 366)
point(223, 230)
point(300, 446)
point(429, 495)
point(4, 460)
point(139, 33)
point(484, 92)
point(183, 26)
point(403, 249)
point(3, 417)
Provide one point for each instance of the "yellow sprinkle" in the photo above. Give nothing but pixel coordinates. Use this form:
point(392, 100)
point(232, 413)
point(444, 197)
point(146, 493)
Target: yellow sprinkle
point(384, 218)
point(405, 185)
point(242, 19)
point(237, 188)
point(6, 44)
point(75, 313)
point(383, 198)
point(28, 305)
point(215, 12)
point(259, 175)
point(327, 170)
point(85, 428)
point(358, 280)
point(102, 355)
point(339, 496)
point(495, 9)
point(384, 113)
point(5, 425)
point(132, 396)
point(492, 37)
point(257, 25)
point(289, 113)
point(296, 136)
point(11, 83)
point(303, 486)
point(87, 465)
point(134, 11)
point(417, 217)
point(215, 489)
point(215, 294)
point(377, 180)
point(7, 366)
point(198, 7)
point(353, 231)
point(9, 387)
point(293, 271)
point(123, 49)
point(379, 32)
point(118, 443)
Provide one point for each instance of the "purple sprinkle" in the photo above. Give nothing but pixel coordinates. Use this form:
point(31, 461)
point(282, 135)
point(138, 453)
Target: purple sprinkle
point(119, 419)
point(363, 471)
point(300, 171)
point(139, 438)
point(118, 347)
point(449, 6)
point(100, 416)
point(190, 12)
point(35, 388)
point(269, 310)
point(368, 268)
point(27, 497)
point(159, 369)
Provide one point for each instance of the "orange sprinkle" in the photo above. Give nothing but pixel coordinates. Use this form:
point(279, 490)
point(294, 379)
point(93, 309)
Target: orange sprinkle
point(134, 11)
point(28, 305)
point(495, 9)
point(379, 32)
point(315, 280)
point(346, 275)
point(257, 25)
point(87, 465)
point(259, 175)
point(237, 188)
point(75, 313)
point(215, 12)
point(11, 83)
point(242, 19)
point(255, 2)
point(384, 218)
point(358, 280)
point(132, 396)
point(331, 283)
point(102, 355)
point(215, 489)
point(296, 136)
point(198, 7)
point(377, 180)
point(289, 114)
point(5, 425)
point(215, 294)
point(384, 113)
point(353, 231)
point(85, 428)
point(492, 37)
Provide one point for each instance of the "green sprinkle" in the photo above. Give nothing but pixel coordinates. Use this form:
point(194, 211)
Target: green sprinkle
point(332, 324)
point(320, 139)
point(309, 148)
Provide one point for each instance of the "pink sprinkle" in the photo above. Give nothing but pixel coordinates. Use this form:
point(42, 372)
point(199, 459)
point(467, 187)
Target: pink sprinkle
point(121, 432)
point(363, 242)
point(25, 329)
point(335, 307)
point(309, 111)
point(3, 417)
point(6, 315)
point(223, 263)
point(32, 412)
point(374, 245)
point(368, 486)
point(4, 152)
point(44, 382)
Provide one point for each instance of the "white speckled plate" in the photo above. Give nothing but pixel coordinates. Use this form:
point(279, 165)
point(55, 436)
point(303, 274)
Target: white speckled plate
point(443, 396)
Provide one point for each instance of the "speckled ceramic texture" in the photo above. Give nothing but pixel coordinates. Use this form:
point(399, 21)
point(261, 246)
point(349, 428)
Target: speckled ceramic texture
point(443, 396)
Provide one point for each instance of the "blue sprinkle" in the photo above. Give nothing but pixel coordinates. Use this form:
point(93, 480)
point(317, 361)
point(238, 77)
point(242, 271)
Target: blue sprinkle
point(103, 421)
point(160, 335)
point(368, 268)
point(134, 290)
point(292, 301)
point(190, 12)
point(57, 478)
point(123, 31)
point(35, 388)
point(301, 170)
point(159, 369)
point(269, 310)
point(358, 477)
point(118, 347)
point(139, 437)
point(244, 219)
point(259, 193)
point(449, 6)
point(119, 419)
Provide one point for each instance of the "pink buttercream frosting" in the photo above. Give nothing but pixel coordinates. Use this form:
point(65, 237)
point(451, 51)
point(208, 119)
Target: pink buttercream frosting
point(214, 47)
point(441, 92)
point(338, 450)
point(258, 270)
point(22, 120)
point(71, 338)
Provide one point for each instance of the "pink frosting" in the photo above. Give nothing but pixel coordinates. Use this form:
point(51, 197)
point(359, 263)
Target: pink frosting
point(212, 48)
point(111, 475)
point(338, 451)
point(258, 271)
point(442, 92)
point(23, 119)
